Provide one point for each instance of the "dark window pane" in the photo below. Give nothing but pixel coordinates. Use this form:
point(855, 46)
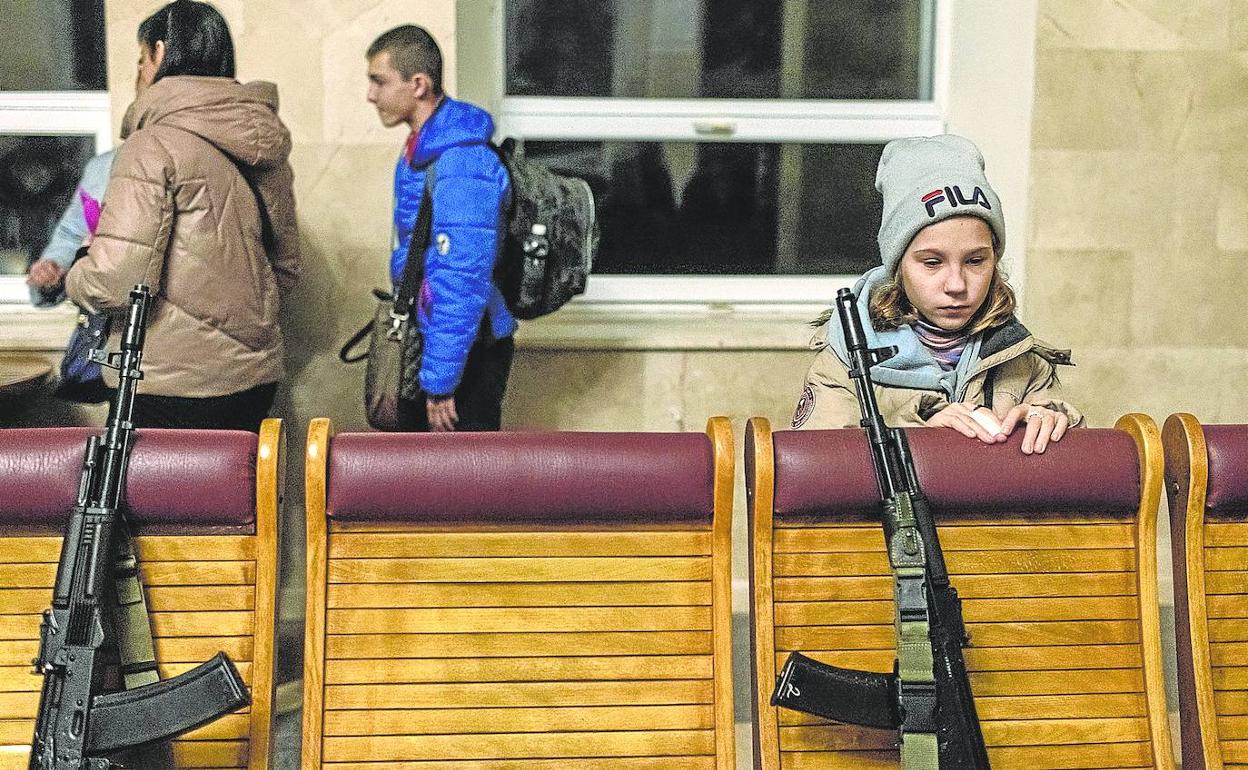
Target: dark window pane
point(38, 176)
point(671, 49)
point(677, 208)
point(53, 45)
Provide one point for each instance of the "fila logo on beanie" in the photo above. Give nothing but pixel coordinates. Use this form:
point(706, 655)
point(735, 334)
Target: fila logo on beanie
point(953, 195)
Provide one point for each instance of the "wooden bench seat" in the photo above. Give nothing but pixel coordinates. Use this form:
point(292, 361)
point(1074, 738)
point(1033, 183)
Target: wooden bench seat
point(204, 507)
point(519, 601)
point(1207, 477)
point(1053, 556)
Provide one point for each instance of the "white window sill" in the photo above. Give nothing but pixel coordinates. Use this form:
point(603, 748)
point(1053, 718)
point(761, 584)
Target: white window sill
point(580, 325)
point(26, 328)
point(587, 325)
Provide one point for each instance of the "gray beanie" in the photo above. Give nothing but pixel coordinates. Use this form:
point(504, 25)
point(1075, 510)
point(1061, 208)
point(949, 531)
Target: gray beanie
point(927, 179)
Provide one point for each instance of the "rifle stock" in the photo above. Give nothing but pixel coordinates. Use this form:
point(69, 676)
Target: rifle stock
point(889, 700)
point(77, 721)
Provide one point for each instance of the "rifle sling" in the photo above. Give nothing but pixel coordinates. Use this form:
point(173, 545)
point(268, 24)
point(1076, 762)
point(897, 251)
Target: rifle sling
point(907, 557)
point(137, 653)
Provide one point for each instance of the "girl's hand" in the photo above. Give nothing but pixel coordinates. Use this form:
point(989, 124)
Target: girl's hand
point(971, 421)
point(1043, 425)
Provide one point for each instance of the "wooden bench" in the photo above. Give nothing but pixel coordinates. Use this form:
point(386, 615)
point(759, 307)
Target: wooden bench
point(1207, 477)
point(204, 507)
point(1054, 556)
point(519, 601)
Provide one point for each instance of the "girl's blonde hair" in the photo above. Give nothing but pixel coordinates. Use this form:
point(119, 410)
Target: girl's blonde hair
point(890, 308)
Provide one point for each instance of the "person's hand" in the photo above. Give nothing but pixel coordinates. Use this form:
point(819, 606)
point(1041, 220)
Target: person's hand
point(1043, 425)
point(442, 414)
point(45, 274)
point(971, 421)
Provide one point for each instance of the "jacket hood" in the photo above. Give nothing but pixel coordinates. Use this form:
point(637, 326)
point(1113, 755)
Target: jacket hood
point(453, 124)
point(240, 119)
point(913, 365)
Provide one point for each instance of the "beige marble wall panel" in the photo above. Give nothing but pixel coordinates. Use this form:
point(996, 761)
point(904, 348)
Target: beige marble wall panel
point(1101, 99)
point(345, 195)
point(1087, 100)
point(1141, 122)
point(594, 390)
point(1195, 304)
point(1197, 101)
point(348, 117)
point(1164, 210)
point(1160, 381)
point(652, 390)
point(282, 44)
point(1123, 200)
point(1239, 25)
point(1092, 288)
point(1232, 222)
point(741, 385)
point(121, 26)
point(1134, 24)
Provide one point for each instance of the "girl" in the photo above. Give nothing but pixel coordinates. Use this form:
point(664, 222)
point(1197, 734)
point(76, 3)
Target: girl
point(963, 360)
point(199, 207)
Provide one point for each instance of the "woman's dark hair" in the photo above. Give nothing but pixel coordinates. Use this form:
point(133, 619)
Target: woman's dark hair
point(197, 40)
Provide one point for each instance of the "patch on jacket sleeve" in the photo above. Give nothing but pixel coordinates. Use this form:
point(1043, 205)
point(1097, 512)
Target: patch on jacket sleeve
point(805, 407)
point(444, 243)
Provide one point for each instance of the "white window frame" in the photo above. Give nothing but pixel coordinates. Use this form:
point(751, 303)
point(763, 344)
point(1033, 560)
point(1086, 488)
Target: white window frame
point(51, 113)
point(731, 120)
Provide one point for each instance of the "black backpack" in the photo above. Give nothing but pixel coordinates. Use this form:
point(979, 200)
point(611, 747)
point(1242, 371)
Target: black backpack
point(551, 240)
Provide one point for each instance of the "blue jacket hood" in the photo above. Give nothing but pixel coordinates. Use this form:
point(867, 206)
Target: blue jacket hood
point(453, 124)
point(913, 366)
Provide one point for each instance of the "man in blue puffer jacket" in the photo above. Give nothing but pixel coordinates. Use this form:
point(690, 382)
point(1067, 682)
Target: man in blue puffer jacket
point(467, 326)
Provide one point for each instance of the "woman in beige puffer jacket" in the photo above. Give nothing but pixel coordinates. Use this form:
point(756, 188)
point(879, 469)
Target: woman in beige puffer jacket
point(200, 208)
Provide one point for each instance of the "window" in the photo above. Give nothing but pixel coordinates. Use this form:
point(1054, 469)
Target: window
point(54, 115)
point(723, 138)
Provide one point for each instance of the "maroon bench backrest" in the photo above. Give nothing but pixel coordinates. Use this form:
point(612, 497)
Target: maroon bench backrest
point(520, 478)
point(1089, 469)
point(176, 477)
point(1227, 446)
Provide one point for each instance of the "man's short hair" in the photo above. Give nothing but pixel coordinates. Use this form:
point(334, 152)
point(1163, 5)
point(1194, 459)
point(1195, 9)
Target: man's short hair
point(412, 50)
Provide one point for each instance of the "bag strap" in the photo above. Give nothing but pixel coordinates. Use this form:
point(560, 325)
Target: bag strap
point(414, 269)
point(414, 266)
point(409, 283)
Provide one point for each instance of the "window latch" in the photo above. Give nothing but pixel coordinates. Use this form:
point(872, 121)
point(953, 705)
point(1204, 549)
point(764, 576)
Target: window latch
point(715, 127)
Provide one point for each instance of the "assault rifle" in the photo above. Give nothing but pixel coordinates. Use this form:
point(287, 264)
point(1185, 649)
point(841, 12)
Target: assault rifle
point(928, 696)
point(78, 723)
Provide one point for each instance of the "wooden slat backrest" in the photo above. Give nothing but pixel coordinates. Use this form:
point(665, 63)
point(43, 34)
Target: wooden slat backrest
point(1058, 581)
point(447, 630)
point(1207, 478)
point(211, 581)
